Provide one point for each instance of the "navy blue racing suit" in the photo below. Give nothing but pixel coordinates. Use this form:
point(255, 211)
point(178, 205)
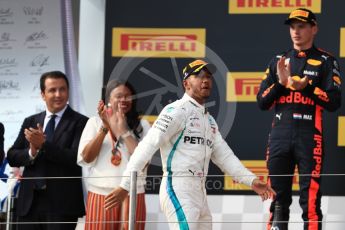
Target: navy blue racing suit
point(296, 136)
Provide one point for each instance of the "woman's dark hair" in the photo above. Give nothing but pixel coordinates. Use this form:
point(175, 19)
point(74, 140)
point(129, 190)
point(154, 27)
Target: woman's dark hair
point(132, 115)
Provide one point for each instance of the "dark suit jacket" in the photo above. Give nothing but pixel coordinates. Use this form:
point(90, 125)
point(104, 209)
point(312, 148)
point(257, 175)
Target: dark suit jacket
point(57, 159)
point(2, 151)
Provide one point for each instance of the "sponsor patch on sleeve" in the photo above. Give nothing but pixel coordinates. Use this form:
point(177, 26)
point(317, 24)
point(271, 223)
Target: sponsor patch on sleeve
point(164, 120)
point(267, 90)
point(337, 81)
point(322, 95)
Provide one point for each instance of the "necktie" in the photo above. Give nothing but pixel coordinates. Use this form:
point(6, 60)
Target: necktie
point(49, 131)
point(40, 168)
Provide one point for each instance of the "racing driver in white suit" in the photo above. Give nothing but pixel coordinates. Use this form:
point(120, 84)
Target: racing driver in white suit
point(188, 138)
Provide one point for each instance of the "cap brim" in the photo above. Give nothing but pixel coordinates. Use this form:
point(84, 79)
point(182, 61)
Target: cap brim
point(289, 20)
point(210, 67)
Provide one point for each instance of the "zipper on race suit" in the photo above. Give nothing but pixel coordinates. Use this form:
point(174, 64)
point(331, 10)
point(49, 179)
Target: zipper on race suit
point(205, 116)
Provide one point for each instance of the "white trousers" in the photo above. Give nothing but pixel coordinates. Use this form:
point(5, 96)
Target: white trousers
point(184, 203)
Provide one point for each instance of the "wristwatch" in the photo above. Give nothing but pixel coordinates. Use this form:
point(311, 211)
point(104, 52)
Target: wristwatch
point(104, 129)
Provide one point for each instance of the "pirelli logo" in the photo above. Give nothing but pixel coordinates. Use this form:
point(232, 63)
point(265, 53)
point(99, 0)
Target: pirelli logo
point(342, 42)
point(259, 168)
point(243, 86)
point(271, 6)
point(341, 133)
point(149, 42)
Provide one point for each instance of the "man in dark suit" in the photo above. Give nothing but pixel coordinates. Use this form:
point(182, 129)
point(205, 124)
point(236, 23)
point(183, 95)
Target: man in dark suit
point(47, 146)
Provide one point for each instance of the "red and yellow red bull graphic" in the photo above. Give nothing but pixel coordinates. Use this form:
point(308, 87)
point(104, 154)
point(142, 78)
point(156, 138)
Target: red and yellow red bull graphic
point(259, 168)
point(243, 86)
point(341, 133)
point(342, 42)
point(272, 6)
point(160, 42)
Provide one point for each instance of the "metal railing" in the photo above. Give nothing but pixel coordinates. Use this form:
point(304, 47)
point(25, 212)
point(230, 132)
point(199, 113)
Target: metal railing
point(133, 200)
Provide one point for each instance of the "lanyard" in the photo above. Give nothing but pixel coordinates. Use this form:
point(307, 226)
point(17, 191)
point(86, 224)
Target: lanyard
point(115, 152)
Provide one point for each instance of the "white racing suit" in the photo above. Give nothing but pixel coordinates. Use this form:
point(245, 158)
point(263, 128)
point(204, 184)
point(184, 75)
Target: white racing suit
point(188, 138)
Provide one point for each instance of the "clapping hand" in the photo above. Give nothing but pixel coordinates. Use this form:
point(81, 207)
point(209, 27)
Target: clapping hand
point(35, 137)
point(118, 122)
point(283, 71)
point(102, 113)
point(297, 83)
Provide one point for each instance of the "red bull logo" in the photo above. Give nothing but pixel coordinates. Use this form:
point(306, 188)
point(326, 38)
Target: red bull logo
point(317, 155)
point(295, 98)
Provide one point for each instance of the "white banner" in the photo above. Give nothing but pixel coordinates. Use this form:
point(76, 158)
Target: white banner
point(31, 43)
